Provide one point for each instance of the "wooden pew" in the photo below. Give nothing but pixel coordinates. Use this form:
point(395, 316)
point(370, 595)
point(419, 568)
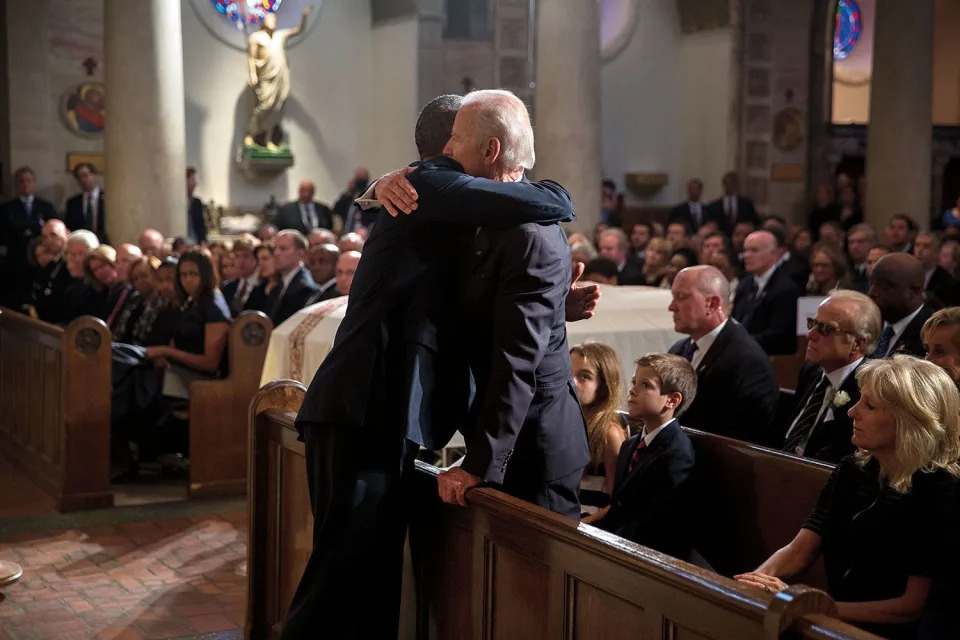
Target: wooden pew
point(787, 367)
point(503, 568)
point(755, 499)
point(218, 411)
point(55, 407)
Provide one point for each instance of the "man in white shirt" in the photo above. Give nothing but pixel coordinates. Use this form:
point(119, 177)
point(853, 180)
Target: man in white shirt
point(237, 291)
point(896, 285)
point(736, 385)
point(304, 214)
point(732, 208)
point(841, 335)
point(692, 212)
point(86, 210)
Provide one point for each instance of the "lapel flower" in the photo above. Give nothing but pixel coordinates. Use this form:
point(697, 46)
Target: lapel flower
point(840, 399)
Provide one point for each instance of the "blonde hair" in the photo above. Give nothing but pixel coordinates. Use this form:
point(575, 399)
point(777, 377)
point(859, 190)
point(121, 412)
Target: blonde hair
point(949, 317)
point(605, 407)
point(925, 406)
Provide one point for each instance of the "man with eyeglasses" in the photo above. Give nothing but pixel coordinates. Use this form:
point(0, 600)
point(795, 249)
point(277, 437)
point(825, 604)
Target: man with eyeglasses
point(843, 333)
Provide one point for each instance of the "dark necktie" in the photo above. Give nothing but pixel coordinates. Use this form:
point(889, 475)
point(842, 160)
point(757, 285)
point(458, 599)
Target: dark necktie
point(808, 418)
point(689, 350)
point(636, 454)
point(90, 213)
point(28, 205)
point(883, 344)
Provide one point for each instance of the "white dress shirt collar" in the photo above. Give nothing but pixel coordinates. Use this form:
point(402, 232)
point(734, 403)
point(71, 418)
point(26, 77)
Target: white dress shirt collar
point(764, 278)
point(900, 326)
point(838, 376)
point(649, 436)
point(287, 279)
point(705, 342)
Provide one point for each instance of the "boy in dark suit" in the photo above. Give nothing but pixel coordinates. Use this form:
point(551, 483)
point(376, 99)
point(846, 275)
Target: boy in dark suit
point(651, 503)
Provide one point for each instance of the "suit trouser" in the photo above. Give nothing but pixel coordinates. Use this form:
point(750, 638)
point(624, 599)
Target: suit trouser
point(351, 585)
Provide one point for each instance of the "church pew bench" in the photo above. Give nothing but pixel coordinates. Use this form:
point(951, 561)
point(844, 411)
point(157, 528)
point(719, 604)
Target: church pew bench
point(218, 411)
point(787, 367)
point(503, 568)
point(755, 500)
point(55, 407)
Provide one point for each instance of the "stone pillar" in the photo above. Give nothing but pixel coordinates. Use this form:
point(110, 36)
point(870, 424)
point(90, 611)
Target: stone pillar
point(145, 131)
point(567, 102)
point(900, 133)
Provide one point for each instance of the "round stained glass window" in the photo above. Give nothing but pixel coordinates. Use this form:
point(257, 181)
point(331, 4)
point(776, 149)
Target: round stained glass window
point(249, 11)
point(849, 25)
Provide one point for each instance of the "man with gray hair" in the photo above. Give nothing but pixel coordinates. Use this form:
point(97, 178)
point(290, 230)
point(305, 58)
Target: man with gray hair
point(860, 239)
point(939, 286)
point(396, 378)
point(736, 386)
point(614, 246)
point(839, 339)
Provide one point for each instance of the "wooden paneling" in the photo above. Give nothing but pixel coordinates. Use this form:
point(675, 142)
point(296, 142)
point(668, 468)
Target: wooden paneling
point(503, 568)
point(55, 407)
point(219, 411)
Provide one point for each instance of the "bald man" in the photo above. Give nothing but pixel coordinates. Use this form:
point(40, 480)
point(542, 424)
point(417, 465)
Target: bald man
point(897, 286)
point(736, 386)
point(151, 243)
point(52, 281)
point(766, 301)
point(304, 214)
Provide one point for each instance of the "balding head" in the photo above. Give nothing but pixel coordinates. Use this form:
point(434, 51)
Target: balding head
point(305, 191)
point(896, 285)
point(492, 136)
point(321, 236)
point(126, 254)
point(151, 243)
point(700, 298)
point(760, 252)
point(54, 236)
point(351, 242)
point(346, 268)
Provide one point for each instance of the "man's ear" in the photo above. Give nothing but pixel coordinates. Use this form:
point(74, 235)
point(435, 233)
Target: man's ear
point(491, 150)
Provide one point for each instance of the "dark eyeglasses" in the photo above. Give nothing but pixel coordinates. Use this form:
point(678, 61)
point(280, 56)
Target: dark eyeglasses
point(826, 330)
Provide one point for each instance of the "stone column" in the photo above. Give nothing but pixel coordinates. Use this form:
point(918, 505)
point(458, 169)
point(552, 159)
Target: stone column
point(567, 102)
point(900, 133)
point(145, 131)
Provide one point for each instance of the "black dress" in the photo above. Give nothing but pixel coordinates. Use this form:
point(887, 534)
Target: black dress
point(190, 332)
point(875, 538)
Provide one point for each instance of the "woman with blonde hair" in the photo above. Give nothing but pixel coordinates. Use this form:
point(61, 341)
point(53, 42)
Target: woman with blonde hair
point(941, 341)
point(657, 261)
point(828, 270)
point(884, 520)
point(596, 374)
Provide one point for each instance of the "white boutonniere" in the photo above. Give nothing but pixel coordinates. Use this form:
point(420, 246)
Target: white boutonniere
point(840, 399)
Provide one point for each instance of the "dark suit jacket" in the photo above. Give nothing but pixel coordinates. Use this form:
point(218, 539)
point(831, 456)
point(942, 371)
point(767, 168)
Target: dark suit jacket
point(325, 293)
point(798, 268)
point(396, 367)
point(942, 290)
point(653, 504)
point(771, 318)
point(75, 220)
point(683, 213)
point(909, 341)
point(302, 287)
point(289, 217)
point(820, 215)
point(632, 273)
point(736, 388)
point(514, 314)
point(196, 225)
point(830, 439)
point(746, 212)
point(859, 281)
point(17, 231)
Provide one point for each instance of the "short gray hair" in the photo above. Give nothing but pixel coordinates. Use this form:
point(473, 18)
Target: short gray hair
point(84, 237)
point(618, 234)
point(864, 228)
point(504, 116)
point(867, 322)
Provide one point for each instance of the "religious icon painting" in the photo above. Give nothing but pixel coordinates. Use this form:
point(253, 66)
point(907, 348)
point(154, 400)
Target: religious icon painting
point(82, 109)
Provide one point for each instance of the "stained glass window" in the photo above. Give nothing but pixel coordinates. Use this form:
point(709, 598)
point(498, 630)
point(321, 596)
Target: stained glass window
point(847, 30)
point(252, 11)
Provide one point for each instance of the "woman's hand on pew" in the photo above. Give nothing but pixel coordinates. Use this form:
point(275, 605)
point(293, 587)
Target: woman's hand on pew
point(598, 515)
point(770, 584)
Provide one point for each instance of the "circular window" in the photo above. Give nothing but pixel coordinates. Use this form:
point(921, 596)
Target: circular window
point(847, 31)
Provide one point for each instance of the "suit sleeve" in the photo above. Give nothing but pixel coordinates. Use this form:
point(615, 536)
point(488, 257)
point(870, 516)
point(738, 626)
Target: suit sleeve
point(453, 197)
point(664, 517)
point(782, 324)
point(524, 310)
point(757, 398)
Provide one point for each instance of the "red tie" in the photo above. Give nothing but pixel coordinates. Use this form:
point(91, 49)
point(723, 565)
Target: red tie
point(636, 454)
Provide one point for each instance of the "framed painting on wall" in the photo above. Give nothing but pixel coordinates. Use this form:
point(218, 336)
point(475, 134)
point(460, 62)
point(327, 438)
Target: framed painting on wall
point(98, 160)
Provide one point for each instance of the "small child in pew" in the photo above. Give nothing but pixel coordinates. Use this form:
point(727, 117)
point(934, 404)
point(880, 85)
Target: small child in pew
point(652, 501)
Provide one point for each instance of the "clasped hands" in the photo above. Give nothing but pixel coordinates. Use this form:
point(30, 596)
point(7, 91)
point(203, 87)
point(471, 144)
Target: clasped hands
point(770, 584)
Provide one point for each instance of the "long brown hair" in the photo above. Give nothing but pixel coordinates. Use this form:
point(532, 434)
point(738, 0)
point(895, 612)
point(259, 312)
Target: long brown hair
point(604, 409)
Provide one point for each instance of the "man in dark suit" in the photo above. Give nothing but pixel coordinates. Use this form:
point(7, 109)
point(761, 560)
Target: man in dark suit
point(237, 290)
point(896, 285)
point(395, 379)
point(652, 502)
point(691, 213)
point(304, 214)
point(51, 282)
point(322, 262)
point(355, 188)
point(86, 210)
point(196, 225)
point(940, 287)
point(614, 246)
point(21, 221)
point(732, 208)
point(766, 301)
point(841, 336)
point(296, 285)
point(860, 239)
point(736, 386)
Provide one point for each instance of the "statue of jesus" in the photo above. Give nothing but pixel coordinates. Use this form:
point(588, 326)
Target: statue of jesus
point(269, 77)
